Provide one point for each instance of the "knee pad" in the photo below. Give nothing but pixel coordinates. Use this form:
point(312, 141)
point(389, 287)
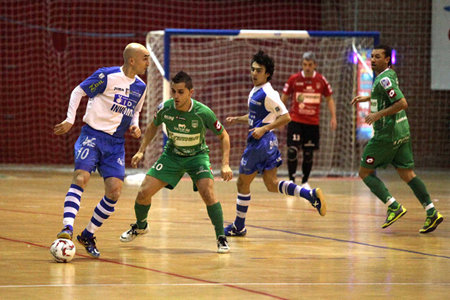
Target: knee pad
point(292, 153)
point(308, 156)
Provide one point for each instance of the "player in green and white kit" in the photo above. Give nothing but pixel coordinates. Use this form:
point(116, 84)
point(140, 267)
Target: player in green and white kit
point(391, 142)
point(186, 122)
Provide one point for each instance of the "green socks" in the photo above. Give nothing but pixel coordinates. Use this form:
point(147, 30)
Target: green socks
point(141, 212)
point(216, 215)
point(377, 187)
point(419, 189)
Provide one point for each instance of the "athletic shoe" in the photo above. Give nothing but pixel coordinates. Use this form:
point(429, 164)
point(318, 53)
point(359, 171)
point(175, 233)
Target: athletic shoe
point(432, 222)
point(89, 245)
point(318, 201)
point(231, 230)
point(132, 233)
point(393, 215)
point(222, 244)
point(305, 186)
point(66, 233)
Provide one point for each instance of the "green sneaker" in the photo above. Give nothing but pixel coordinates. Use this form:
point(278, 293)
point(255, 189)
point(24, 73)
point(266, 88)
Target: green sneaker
point(393, 215)
point(432, 222)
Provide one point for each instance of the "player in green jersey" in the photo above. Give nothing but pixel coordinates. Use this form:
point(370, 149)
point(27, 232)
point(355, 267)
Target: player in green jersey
point(391, 142)
point(186, 122)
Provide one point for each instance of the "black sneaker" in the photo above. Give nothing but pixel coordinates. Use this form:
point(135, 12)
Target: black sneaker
point(393, 215)
point(66, 233)
point(432, 222)
point(89, 245)
point(222, 244)
point(132, 233)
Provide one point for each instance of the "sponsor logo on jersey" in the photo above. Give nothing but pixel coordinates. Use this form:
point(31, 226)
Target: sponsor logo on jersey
point(182, 128)
point(123, 105)
point(95, 85)
point(218, 125)
point(171, 118)
point(392, 93)
point(118, 89)
point(370, 160)
point(252, 101)
point(101, 75)
point(135, 94)
point(194, 123)
point(385, 82)
point(312, 98)
point(401, 141)
point(184, 140)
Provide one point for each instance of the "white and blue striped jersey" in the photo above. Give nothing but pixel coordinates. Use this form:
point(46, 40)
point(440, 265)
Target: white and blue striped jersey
point(115, 101)
point(264, 105)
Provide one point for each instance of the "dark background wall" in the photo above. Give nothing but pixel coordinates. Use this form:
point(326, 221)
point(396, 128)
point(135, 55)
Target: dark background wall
point(48, 47)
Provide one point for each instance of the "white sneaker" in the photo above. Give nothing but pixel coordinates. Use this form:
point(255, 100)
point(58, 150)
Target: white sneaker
point(132, 233)
point(222, 244)
point(305, 186)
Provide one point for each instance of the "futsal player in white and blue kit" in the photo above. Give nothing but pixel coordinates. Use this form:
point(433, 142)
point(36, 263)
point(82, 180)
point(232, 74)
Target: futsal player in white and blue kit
point(116, 96)
point(266, 112)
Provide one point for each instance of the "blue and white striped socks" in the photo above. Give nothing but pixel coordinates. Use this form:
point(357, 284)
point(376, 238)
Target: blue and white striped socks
point(102, 212)
point(291, 189)
point(242, 204)
point(72, 205)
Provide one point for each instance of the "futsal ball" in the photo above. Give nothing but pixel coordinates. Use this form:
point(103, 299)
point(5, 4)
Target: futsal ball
point(63, 250)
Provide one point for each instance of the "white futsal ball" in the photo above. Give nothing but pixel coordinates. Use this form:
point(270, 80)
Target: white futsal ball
point(63, 250)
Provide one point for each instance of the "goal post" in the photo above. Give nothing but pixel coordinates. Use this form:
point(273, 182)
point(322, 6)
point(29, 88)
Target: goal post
point(218, 62)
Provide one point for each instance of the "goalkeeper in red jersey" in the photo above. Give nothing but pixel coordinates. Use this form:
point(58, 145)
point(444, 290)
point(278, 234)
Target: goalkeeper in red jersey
point(306, 89)
point(391, 142)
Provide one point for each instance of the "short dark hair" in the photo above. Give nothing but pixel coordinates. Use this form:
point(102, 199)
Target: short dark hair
point(183, 77)
point(387, 51)
point(266, 61)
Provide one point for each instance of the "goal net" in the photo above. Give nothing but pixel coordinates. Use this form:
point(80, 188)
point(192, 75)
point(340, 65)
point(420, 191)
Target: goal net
point(219, 63)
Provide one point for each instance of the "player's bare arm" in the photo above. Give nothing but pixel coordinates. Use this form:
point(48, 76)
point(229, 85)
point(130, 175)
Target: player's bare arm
point(225, 169)
point(150, 133)
point(279, 122)
point(285, 98)
point(332, 108)
point(62, 128)
point(135, 131)
point(237, 120)
point(393, 109)
point(360, 99)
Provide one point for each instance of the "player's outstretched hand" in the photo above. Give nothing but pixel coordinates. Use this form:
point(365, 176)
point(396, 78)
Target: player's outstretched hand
point(135, 131)
point(230, 120)
point(226, 173)
point(136, 159)
point(360, 99)
point(62, 128)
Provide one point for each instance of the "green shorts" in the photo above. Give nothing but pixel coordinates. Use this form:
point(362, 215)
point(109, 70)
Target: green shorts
point(380, 154)
point(171, 167)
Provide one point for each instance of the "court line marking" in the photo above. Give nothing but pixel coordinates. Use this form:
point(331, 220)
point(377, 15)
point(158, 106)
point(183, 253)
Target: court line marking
point(233, 283)
point(203, 281)
point(348, 241)
point(277, 230)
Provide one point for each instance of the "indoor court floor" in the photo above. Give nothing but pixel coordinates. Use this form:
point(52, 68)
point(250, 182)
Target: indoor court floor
point(290, 252)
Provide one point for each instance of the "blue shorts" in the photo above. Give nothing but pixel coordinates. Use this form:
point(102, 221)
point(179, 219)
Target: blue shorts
point(98, 150)
point(260, 155)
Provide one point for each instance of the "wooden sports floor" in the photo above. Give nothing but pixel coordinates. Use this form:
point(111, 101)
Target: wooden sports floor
point(290, 252)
